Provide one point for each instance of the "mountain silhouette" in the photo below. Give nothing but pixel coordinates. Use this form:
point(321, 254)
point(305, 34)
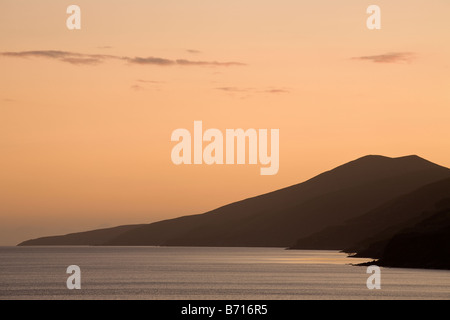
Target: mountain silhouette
point(87, 238)
point(420, 242)
point(381, 223)
point(280, 218)
point(425, 245)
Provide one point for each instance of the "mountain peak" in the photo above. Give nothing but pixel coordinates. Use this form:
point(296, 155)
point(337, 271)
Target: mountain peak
point(409, 162)
point(375, 157)
point(416, 159)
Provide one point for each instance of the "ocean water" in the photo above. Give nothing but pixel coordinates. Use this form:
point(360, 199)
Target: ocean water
point(205, 273)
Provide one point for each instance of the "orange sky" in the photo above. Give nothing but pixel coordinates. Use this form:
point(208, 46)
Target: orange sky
point(87, 145)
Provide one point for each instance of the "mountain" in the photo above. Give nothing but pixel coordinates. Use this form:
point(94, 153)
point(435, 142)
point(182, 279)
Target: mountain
point(279, 218)
point(376, 227)
point(425, 245)
point(95, 237)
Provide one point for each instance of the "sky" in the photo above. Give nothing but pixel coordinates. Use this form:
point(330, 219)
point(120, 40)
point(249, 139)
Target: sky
point(86, 115)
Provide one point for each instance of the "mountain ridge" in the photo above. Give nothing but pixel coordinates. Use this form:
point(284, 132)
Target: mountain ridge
point(280, 217)
point(381, 222)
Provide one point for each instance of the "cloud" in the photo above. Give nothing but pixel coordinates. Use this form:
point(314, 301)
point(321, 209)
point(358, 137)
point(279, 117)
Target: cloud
point(151, 61)
point(137, 87)
point(193, 51)
point(146, 84)
point(149, 81)
point(76, 58)
point(276, 91)
point(208, 63)
point(239, 90)
point(392, 57)
point(235, 89)
point(64, 56)
point(181, 62)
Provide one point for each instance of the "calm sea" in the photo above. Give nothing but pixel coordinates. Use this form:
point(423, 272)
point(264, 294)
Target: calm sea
point(204, 273)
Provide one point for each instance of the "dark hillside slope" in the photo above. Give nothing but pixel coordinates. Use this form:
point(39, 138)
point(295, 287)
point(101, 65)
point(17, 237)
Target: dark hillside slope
point(279, 218)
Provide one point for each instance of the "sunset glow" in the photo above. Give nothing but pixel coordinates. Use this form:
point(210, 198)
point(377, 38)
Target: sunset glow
point(86, 116)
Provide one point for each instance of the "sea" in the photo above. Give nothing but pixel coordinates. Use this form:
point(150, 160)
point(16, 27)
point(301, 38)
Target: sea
point(192, 273)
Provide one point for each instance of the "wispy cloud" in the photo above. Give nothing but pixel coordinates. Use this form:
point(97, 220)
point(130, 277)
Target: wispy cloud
point(141, 84)
point(245, 92)
point(64, 56)
point(234, 89)
point(137, 87)
point(184, 62)
point(149, 81)
point(276, 91)
point(253, 90)
point(150, 61)
point(76, 58)
point(392, 57)
point(193, 51)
